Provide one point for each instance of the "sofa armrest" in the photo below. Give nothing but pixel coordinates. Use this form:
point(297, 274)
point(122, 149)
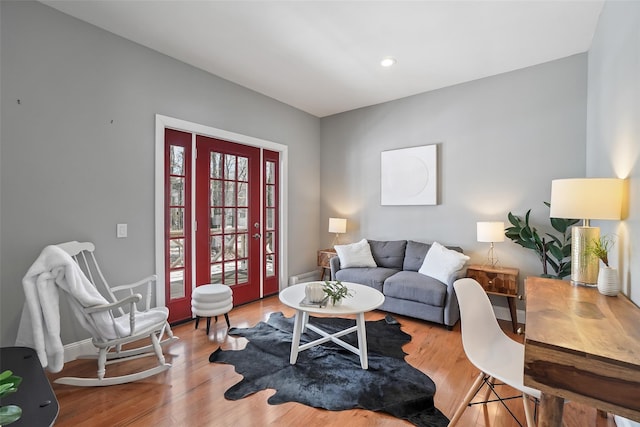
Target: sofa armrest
point(334, 263)
point(451, 307)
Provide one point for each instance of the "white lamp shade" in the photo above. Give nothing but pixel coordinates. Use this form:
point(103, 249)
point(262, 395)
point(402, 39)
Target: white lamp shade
point(586, 198)
point(337, 225)
point(490, 231)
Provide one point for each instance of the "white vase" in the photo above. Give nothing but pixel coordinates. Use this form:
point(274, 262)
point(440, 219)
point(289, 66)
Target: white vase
point(608, 283)
point(314, 292)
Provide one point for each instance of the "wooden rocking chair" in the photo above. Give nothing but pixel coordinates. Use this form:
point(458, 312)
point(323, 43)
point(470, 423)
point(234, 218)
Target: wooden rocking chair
point(128, 322)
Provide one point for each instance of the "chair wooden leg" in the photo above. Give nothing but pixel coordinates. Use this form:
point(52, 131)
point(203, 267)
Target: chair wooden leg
point(470, 394)
point(226, 317)
point(208, 325)
point(197, 321)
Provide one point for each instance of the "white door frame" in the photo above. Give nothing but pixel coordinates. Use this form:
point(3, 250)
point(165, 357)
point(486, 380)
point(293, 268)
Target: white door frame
point(163, 122)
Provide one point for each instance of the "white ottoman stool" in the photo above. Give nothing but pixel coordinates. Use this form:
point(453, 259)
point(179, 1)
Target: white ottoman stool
point(211, 300)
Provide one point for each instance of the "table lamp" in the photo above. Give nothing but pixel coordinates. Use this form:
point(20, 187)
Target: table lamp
point(337, 226)
point(586, 199)
point(490, 232)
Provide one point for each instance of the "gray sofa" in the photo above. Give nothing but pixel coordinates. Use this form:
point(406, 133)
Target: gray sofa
point(406, 291)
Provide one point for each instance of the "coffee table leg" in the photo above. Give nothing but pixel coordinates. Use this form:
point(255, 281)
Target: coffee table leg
point(362, 340)
point(295, 342)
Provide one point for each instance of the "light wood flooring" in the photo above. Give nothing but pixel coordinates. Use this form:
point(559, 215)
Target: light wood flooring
point(191, 392)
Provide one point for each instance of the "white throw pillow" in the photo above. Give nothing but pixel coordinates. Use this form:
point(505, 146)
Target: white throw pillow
point(355, 255)
point(441, 262)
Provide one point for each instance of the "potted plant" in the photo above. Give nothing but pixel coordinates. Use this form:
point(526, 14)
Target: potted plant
point(336, 291)
point(607, 276)
point(9, 384)
point(552, 251)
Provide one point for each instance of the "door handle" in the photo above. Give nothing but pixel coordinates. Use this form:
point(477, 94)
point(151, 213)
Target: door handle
point(257, 236)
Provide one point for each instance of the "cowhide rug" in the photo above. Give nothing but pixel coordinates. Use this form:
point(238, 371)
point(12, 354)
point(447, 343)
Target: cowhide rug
point(330, 377)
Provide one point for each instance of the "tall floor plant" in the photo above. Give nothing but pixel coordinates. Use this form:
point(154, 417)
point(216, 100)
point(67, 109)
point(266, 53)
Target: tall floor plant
point(552, 251)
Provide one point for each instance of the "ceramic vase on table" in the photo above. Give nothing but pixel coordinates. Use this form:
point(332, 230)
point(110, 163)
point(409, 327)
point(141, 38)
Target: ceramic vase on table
point(608, 282)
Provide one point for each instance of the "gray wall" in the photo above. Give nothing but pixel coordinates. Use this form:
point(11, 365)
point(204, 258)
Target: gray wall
point(77, 153)
point(502, 140)
point(613, 127)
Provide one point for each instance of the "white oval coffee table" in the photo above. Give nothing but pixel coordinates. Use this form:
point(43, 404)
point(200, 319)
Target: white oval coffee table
point(363, 299)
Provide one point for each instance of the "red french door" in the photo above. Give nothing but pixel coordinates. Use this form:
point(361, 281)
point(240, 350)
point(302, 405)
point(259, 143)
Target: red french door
point(228, 217)
point(177, 224)
point(221, 215)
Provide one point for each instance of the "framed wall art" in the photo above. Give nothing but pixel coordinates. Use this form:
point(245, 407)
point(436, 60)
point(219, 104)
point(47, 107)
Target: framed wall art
point(409, 176)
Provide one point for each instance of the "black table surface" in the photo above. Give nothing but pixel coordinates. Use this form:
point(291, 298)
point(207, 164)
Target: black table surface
point(35, 395)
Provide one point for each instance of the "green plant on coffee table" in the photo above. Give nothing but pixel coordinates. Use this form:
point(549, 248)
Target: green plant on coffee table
point(600, 248)
point(336, 291)
point(9, 384)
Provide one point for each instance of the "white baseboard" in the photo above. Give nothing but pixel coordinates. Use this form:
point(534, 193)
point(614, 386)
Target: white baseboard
point(75, 349)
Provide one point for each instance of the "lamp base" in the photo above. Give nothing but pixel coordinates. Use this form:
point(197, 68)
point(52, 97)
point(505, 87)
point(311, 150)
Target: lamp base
point(584, 266)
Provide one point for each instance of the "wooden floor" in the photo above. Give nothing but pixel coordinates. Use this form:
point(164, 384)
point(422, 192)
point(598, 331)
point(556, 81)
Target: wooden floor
point(191, 392)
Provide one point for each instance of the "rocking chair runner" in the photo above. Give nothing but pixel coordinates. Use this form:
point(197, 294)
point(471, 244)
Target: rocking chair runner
point(117, 321)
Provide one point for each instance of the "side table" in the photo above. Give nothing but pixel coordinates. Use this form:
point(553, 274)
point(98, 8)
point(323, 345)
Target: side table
point(324, 255)
point(35, 395)
point(498, 281)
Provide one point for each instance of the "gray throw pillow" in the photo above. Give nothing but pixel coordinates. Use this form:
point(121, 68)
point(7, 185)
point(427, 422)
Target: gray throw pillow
point(414, 255)
point(388, 254)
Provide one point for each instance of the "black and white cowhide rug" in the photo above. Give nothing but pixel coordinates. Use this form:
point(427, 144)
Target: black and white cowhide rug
point(330, 377)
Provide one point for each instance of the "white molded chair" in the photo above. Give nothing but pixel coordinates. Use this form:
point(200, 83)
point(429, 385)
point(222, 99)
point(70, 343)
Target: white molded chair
point(128, 322)
point(497, 356)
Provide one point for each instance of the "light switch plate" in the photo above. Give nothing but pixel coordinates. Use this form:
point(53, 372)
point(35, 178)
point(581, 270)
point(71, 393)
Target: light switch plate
point(121, 231)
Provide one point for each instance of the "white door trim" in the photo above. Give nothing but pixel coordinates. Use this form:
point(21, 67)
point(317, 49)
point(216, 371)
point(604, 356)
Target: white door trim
point(163, 122)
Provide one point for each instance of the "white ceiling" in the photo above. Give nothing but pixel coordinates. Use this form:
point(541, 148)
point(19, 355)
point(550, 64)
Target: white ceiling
point(323, 56)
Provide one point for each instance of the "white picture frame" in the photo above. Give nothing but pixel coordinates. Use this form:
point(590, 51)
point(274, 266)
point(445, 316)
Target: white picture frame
point(409, 176)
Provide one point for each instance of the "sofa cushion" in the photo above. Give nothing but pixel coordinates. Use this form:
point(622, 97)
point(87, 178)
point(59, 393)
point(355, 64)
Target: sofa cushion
point(389, 254)
point(414, 255)
point(441, 262)
point(373, 277)
point(355, 255)
point(412, 286)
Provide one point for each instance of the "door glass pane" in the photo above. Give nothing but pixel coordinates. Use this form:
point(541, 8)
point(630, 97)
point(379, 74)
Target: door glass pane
point(269, 242)
point(216, 221)
point(243, 169)
point(242, 194)
point(242, 271)
point(270, 196)
point(229, 220)
point(176, 253)
point(270, 172)
point(176, 284)
point(176, 160)
point(177, 221)
point(229, 247)
point(242, 219)
point(216, 274)
point(215, 189)
point(270, 218)
point(270, 270)
point(216, 248)
point(215, 165)
point(230, 194)
point(177, 191)
point(229, 166)
point(242, 245)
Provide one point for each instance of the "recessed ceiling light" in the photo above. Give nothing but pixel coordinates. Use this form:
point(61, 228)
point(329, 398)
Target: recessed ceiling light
point(388, 61)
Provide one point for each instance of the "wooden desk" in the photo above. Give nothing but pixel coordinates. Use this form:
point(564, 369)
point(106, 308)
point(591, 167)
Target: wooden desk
point(582, 346)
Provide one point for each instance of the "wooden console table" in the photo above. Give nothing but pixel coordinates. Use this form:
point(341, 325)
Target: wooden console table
point(581, 346)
